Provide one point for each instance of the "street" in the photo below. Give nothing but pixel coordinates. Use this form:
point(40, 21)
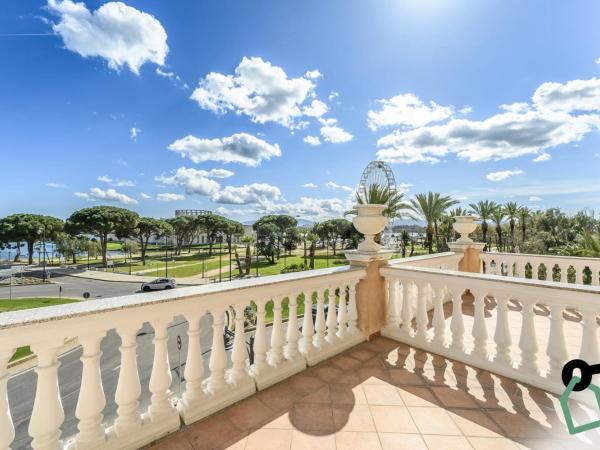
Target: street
point(72, 287)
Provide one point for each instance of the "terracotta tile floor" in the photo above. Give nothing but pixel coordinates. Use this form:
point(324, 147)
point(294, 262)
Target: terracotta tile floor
point(386, 395)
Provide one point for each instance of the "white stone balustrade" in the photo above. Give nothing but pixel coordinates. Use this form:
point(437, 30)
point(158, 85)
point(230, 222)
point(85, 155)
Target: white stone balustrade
point(558, 268)
point(293, 345)
point(515, 355)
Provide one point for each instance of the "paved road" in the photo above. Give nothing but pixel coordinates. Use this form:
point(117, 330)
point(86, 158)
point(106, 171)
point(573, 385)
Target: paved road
point(72, 287)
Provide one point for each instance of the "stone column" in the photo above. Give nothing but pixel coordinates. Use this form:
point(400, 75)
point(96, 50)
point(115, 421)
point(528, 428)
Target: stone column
point(371, 291)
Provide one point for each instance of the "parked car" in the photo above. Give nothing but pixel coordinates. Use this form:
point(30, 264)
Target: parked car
point(158, 284)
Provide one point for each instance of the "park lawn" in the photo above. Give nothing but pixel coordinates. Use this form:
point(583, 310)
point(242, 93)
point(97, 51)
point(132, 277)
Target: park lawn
point(7, 305)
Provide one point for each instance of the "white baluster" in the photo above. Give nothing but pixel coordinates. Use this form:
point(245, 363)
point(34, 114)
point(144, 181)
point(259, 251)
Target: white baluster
point(342, 314)
point(394, 316)
point(331, 321)
point(502, 336)
point(307, 326)
point(7, 429)
point(218, 357)
point(47, 415)
point(407, 289)
point(237, 373)
point(528, 341)
point(457, 326)
point(578, 274)
point(291, 348)
point(319, 337)
point(421, 318)
point(194, 364)
point(260, 339)
point(352, 313)
point(276, 352)
point(160, 378)
point(91, 401)
point(128, 387)
point(589, 338)
point(480, 334)
point(557, 348)
point(439, 321)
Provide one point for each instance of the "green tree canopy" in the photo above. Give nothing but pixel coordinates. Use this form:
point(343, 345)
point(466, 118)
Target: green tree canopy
point(100, 221)
point(148, 227)
point(30, 228)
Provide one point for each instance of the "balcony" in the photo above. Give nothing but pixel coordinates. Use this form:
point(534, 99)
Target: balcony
point(421, 352)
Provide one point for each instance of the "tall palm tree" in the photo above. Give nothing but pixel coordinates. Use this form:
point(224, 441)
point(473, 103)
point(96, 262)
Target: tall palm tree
point(524, 217)
point(511, 209)
point(498, 217)
point(430, 208)
point(383, 195)
point(483, 209)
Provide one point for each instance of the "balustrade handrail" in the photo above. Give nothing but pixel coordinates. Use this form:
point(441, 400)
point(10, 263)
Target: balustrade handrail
point(540, 256)
point(488, 282)
point(268, 285)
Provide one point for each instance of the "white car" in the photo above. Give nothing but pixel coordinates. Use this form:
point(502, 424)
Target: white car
point(158, 284)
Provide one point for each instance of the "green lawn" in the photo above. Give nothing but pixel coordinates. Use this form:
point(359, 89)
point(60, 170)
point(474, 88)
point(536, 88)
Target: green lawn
point(7, 305)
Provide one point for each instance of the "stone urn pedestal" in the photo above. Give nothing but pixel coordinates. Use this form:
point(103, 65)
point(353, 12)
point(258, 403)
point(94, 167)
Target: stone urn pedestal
point(470, 262)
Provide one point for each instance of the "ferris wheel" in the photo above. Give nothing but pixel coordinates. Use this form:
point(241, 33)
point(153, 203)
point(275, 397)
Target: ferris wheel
point(377, 173)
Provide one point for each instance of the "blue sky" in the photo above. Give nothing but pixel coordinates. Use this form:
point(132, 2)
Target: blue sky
point(495, 99)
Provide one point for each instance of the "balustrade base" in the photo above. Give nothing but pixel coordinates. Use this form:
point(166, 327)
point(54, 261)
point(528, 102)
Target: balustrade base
point(211, 403)
point(272, 375)
point(327, 350)
point(549, 384)
point(148, 431)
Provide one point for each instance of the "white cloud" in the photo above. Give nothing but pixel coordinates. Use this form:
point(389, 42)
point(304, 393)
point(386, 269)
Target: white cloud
point(313, 74)
point(122, 35)
point(257, 89)
point(502, 136)
point(310, 186)
point(246, 194)
point(54, 185)
point(144, 195)
point(316, 109)
point(133, 133)
point(312, 140)
point(192, 180)
point(333, 95)
point(558, 114)
point(200, 182)
point(109, 195)
point(574, 95)
point(534, 198)
point(224, 211)
point(503, 174)
point(308, 207)
point(542, 157)
point(334, 185)
point(407, 110)
point(176, 79)
point(168, 197)
point(335, 134)
point(240, 148)
point(116, 183)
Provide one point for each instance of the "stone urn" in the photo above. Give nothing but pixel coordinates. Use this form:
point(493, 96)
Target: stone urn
point(464, 225)
point(370, 221)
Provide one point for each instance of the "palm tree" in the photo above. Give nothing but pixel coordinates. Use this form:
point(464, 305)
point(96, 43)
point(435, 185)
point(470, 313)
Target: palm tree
point(511, 209)
point(483, 209)
point(380, 195)
point(247, 241)
point(405, 239)
point(591, 245)
point(498, 216)
point(430, 208)
point(524, 216)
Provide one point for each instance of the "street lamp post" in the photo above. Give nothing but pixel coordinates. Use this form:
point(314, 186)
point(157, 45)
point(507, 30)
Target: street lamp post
point(256, 251)
point(230, 244)
point(166, 259)
point(44, 254)
point(220, 255)
point(284, 235)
